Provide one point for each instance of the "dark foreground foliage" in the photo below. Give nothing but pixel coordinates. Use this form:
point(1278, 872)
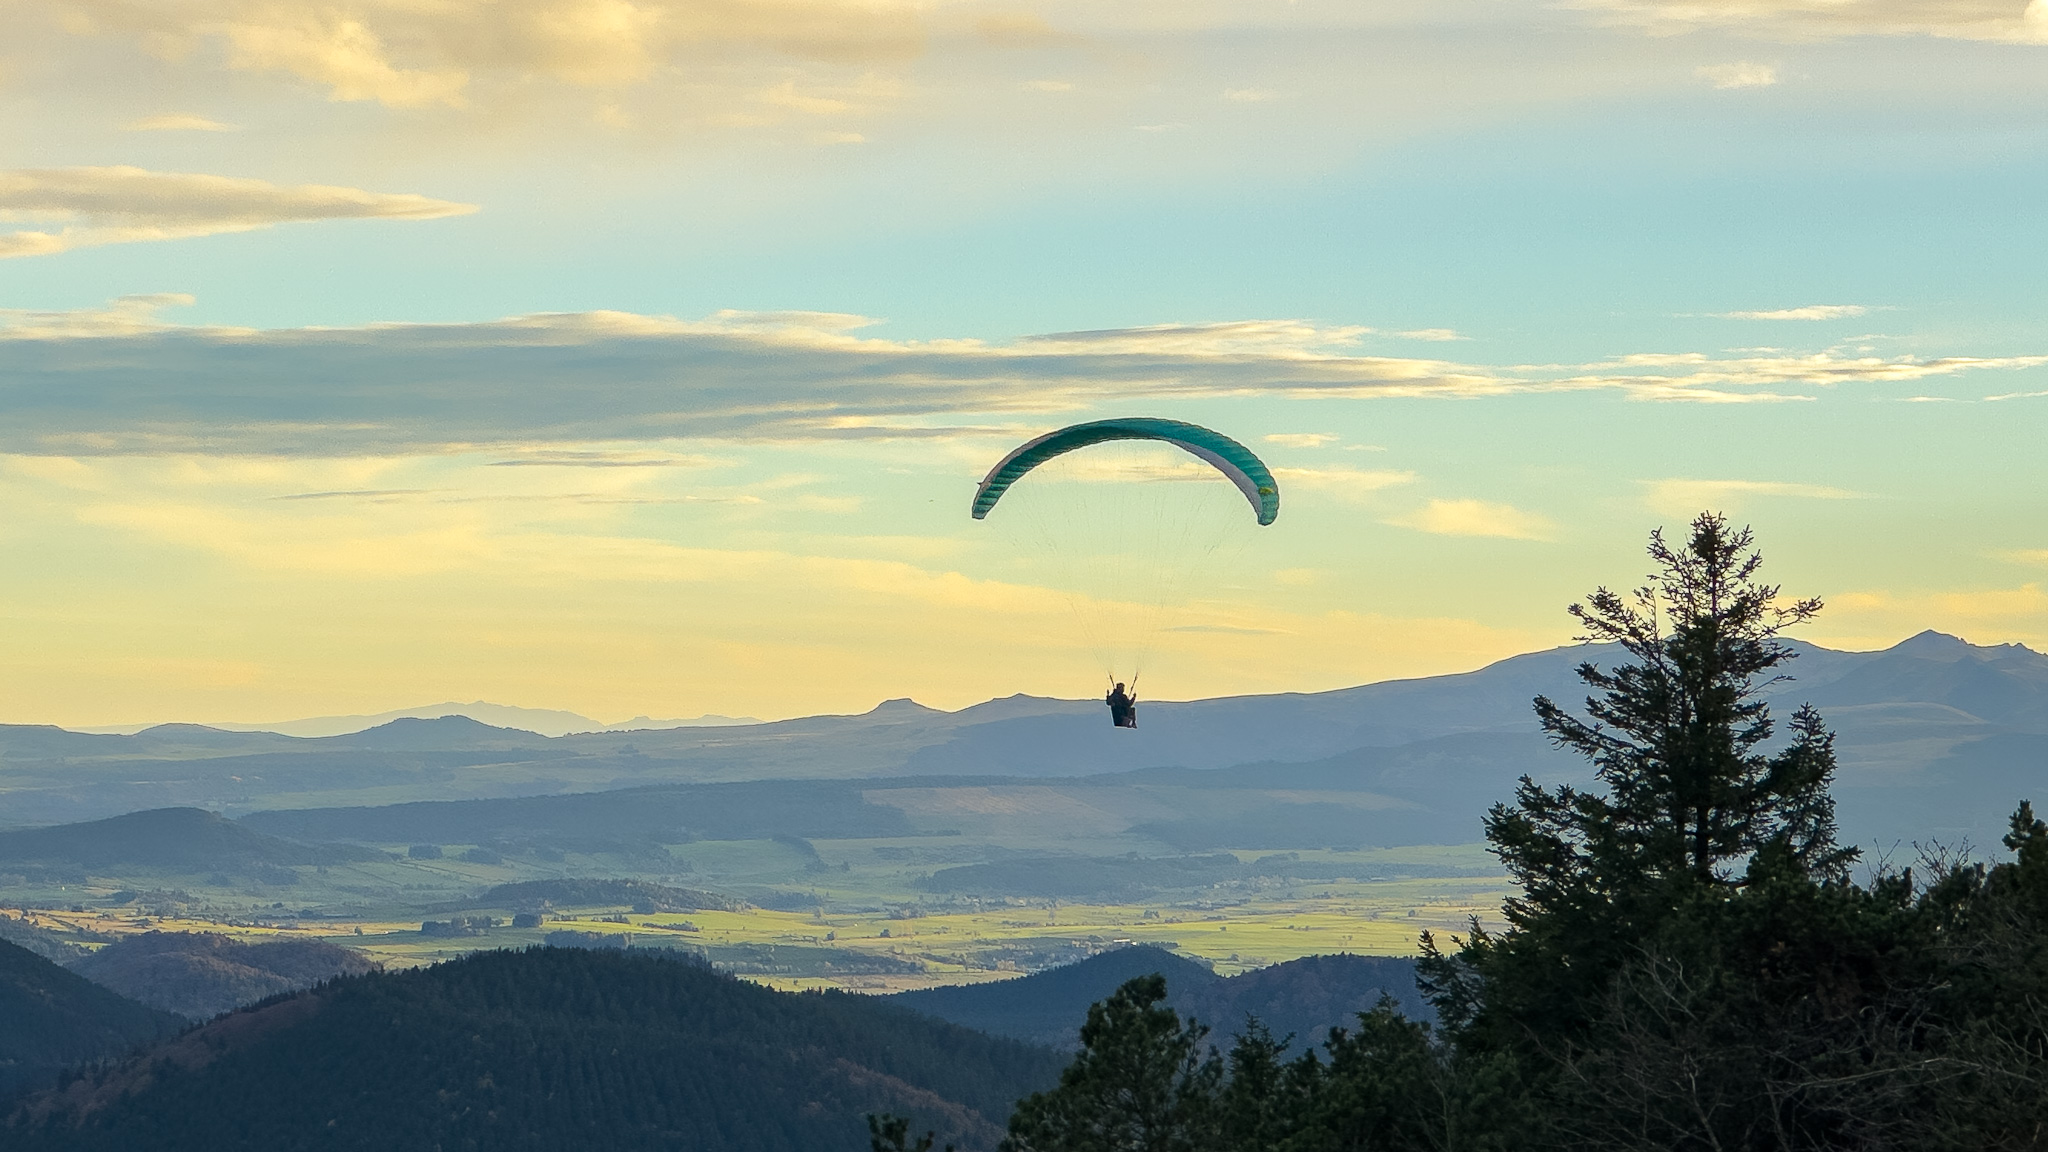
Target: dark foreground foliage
point(544, 1049)
point(1689, 964)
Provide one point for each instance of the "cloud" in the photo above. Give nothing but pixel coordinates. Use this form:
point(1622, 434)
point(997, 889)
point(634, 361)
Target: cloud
point(1997, 20)
point(1685, 497)
point(178, 123)
point(125, 316)
point(121, 205)
point(119, 380)
point(1295, 337)
point(1738, 75)
point(1695, 377)
point(1350, 482)
point(1435, 335)
point(1301, 439)
point(451, 53)
point(1809, 312)
point(1476, 518)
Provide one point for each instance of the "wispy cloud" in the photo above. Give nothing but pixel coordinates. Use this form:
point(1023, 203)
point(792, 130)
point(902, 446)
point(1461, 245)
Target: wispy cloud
point(1741, 74)
point(1998, 20)
point(94, 206)
point(1686, 497)
point(1477, 518)
point(593, 458)
point(1286, 337)
point(1301, 439)
point(178, 122)
point(119, 380)
point(1808, 312)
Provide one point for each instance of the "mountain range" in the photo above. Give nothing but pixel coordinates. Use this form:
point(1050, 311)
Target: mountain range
point(1939, 739)
point(544, 721)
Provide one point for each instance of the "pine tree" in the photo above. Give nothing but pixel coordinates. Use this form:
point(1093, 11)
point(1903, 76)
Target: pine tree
point(1693, 808)
point(1144, 1082)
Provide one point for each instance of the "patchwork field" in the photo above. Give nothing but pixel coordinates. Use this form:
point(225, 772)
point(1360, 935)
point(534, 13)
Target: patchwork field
point(859, 914)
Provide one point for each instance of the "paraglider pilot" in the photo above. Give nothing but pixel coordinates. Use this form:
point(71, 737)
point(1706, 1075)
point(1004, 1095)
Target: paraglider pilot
point(1123, 707)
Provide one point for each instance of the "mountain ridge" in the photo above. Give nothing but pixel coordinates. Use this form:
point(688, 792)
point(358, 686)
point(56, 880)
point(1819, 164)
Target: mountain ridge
point(1932, 712)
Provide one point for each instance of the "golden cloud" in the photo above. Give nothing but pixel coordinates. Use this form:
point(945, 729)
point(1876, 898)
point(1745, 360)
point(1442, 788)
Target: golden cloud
point(411, 55)
point(120, 205)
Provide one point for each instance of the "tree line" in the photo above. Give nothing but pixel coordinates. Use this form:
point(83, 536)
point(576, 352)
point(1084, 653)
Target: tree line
point(1693, 960)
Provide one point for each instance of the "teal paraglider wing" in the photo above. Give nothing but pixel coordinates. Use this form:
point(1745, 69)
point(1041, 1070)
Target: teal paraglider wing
point(1227, 456)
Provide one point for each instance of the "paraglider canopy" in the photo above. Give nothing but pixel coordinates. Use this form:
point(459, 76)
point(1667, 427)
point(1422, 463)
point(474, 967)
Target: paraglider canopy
point(1109, 515)
point(1227, 456)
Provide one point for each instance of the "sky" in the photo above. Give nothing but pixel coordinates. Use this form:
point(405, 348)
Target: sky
point(640, 357)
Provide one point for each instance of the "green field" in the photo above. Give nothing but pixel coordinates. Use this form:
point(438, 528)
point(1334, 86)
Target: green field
point(856, 914)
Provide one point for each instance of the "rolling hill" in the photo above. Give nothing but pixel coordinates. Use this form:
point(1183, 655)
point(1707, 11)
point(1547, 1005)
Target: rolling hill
point(1303, 998)
point(199, 975)
point(547, 1048)
point(51, 1019)
point(164, 838)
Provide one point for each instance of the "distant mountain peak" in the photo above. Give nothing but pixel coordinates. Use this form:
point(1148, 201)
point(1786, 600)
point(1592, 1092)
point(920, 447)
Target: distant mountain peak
point(177, 729)
point(1933, 645)
point(452, 720)
point(903, 705)
point(1931, 642)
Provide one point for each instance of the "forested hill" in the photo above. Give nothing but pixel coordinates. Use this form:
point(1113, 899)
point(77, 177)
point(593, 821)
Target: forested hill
point(1302, 998)
point(51, 1018)
point(547, 1049)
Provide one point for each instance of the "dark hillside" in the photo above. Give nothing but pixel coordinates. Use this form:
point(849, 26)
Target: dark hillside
point(200, 975)
point(547, 1049)
point(50, 1018)
point(1305, 997)
point(1048, 1007)
point(189, 838)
